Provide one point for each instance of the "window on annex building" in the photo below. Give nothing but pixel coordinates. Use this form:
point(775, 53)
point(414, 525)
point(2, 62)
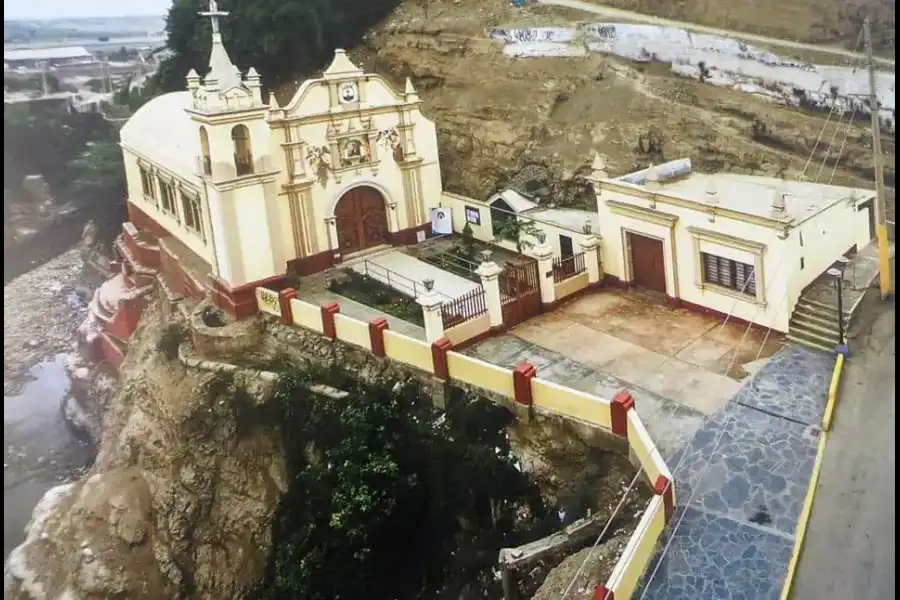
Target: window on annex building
point(167, 195)
point(193, 218)
point(147, 187)
point(728, 273)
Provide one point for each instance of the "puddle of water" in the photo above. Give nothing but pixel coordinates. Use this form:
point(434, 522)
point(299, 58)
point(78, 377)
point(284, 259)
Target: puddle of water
point(41, 451)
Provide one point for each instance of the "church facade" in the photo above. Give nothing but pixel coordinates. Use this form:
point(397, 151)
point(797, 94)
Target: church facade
point(237, 192)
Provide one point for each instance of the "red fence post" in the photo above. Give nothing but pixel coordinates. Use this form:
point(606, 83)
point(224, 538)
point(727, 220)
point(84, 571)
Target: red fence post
point(522, 376)
point(619, 407)
point(439, 351)
point(601, 592)
point(328, 312)
point(284, 302)
point(376, 335)
point(663, 487)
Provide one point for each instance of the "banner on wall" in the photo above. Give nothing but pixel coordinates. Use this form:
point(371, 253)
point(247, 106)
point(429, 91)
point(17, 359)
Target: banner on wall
point(441, 223)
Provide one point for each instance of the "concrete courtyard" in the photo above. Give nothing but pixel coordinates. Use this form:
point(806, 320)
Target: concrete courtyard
point(679, 365)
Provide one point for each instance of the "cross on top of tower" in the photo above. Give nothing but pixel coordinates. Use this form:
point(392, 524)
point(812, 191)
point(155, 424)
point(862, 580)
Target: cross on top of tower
point(214, 13)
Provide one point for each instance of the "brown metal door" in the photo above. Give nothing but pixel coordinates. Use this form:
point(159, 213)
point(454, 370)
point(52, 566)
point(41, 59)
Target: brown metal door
point(648, 264)
point(361, 220)
point(520, 293)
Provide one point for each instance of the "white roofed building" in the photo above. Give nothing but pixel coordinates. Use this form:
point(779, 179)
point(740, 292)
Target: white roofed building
point(36, 57)
point(738, 245)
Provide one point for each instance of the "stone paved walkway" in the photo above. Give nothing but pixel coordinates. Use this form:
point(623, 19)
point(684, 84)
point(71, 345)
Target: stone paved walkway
point(741, 485)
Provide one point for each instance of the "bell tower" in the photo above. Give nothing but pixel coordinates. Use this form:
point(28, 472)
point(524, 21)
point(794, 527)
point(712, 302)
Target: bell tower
point(234, 165)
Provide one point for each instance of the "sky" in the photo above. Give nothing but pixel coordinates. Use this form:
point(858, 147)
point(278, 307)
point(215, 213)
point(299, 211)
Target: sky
point(66, 9)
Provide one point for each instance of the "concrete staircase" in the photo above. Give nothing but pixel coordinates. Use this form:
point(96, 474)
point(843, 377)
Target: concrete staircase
point(814, 324)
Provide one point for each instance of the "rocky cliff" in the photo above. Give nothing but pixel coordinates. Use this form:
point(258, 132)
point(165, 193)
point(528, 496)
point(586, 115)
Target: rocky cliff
point(177, 504)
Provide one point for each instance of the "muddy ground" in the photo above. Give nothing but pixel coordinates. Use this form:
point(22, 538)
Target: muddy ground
point(42, 309)
point(537, 122)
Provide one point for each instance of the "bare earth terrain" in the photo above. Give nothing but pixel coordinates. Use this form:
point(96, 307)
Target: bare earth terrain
point(537, 122)
point(828, 22)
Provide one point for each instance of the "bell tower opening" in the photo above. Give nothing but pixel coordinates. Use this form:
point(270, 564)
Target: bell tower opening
point(243, 157)
point(204, 150)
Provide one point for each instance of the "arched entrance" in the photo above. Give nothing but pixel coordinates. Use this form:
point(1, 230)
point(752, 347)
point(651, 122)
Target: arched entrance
point(361, 220)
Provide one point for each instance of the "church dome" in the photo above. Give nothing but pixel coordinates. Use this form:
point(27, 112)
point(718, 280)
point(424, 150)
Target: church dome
point(164, 134)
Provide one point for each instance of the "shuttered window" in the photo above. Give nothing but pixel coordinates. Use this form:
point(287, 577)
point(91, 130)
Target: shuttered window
point(728, 273)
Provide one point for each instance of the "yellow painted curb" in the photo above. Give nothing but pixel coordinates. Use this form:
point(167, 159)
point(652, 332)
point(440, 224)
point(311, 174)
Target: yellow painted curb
point(833, 392)
point(803, 522)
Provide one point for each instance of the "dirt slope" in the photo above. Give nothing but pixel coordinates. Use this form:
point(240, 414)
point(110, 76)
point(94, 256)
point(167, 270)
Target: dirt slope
point(537, 122)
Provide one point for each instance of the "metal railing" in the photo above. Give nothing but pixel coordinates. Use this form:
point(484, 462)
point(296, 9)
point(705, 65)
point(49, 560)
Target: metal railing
point(465, 308)
point(565, 268)
point(396, 281)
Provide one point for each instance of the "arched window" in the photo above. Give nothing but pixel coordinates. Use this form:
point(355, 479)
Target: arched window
point(204, 149)
point(243, 157)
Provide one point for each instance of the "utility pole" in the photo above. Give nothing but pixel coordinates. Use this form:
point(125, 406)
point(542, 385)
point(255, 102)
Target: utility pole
point(884, 261)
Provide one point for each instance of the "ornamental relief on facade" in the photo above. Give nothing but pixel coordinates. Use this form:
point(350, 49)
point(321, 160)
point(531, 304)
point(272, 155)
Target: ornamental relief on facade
point(319, 160)
point(390, 139)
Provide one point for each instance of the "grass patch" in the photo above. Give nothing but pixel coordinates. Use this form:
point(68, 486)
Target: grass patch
point(371, 292)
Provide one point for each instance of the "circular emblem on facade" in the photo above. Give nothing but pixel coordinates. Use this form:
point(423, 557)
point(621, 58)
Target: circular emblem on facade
point(348, 93)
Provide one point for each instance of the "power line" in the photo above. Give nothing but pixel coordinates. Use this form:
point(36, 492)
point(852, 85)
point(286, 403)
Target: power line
point(602, 533)
point(830, 113)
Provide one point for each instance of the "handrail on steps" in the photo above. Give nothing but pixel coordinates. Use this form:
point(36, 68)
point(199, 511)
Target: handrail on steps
point(412, 286)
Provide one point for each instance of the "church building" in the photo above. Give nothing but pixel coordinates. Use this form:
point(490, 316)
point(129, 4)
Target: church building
point(236, 191)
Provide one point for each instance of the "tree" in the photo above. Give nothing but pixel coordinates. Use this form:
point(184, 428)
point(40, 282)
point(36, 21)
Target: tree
point(380, 479)
point(282, 39)
point(98, 173)
point(517, 230)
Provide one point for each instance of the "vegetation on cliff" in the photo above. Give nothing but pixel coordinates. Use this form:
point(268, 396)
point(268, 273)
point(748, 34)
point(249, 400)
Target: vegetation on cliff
point(391, 498)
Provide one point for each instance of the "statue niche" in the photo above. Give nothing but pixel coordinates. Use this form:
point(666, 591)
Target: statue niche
point(355, 151)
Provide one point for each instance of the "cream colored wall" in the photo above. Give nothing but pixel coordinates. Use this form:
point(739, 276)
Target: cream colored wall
point(136, 196)
point(484, 232)
point(569, 286)
point(826, 237)
point(468, 330)
point(252, 235)
point(776, 272)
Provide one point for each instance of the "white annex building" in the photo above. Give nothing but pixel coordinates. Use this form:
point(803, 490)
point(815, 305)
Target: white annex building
point(243, 189)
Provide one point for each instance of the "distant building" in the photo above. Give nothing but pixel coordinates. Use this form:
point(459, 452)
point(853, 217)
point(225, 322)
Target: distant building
point(33, 58)
point(34, 104)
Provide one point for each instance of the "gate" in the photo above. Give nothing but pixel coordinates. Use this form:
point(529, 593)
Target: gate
point(520, 292)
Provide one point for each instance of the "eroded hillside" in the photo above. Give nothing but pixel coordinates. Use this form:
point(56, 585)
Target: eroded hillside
point(538, 121)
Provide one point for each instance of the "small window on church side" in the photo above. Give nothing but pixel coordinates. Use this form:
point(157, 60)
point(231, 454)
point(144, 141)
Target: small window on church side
point(193, 219)
point(147, 184)
point(167, 193)
point(243, 157)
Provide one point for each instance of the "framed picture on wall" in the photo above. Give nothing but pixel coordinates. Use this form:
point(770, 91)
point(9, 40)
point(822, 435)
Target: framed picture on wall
point(473, 215)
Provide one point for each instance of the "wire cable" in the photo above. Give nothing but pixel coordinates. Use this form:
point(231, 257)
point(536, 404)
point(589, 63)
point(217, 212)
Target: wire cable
point(828, 118)
point(602, 533)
